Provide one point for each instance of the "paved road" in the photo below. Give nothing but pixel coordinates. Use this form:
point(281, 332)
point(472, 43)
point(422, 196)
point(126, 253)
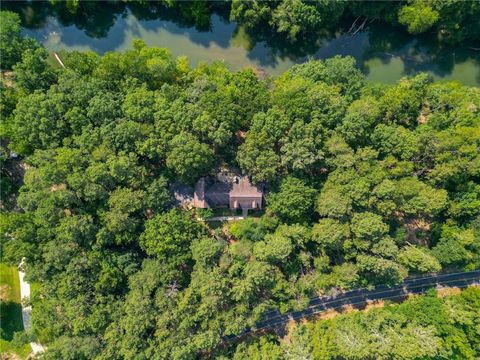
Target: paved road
point(359, 297)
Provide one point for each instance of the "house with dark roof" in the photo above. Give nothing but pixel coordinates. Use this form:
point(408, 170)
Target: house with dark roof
point(227, 190)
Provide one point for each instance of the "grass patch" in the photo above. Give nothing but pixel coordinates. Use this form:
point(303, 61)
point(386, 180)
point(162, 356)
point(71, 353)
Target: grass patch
point(10, 311)
point(7, 348)
point(34, 289)
point(10, 282)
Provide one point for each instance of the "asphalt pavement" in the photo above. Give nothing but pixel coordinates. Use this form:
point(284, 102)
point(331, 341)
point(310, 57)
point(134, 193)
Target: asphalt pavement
point(361, 297)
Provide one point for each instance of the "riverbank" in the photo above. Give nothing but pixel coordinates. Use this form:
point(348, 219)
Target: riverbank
point(384, 53)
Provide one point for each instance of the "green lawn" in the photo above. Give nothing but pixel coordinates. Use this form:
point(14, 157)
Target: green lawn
point(34, 288)
point(10, 310)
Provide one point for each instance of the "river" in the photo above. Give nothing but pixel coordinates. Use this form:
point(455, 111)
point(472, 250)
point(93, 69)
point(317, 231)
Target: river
point(384, 54)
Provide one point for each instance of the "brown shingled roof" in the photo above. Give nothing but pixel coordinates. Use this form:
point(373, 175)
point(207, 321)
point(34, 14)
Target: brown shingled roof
point(243, 188)
point(227, 191)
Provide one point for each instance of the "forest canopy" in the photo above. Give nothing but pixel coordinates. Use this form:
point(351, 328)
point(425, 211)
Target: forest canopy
point(366, 184)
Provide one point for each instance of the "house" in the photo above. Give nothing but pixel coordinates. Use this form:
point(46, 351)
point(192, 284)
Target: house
point(227, 190)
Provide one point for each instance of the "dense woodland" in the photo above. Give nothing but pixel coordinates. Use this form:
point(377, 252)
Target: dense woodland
point(367, 184)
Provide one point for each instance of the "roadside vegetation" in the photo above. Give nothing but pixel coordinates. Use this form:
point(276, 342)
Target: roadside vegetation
point(366, 184)
point(422, 327)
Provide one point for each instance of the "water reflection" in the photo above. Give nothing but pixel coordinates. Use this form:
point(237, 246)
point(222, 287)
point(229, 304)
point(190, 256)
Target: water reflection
point(384, 53)
point(397, 50)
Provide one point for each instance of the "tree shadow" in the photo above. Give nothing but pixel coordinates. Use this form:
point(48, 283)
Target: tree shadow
point(420, 53)
point(107, 22)
point(10, 319)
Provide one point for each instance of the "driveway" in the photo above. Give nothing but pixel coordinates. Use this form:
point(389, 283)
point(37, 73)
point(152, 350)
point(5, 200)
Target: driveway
point(27, 310)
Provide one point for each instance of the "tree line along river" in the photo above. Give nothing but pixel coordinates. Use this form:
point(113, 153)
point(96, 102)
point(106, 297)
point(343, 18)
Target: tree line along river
point(384, 53)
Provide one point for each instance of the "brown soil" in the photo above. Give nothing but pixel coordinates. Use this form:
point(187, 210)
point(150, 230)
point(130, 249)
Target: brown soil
point(423, 116)
point(374, 304)
point(57, 187)
point(7, 77)
point(348, 309)
point(9, 356)
point(149, 213)
point(241, 134)
point(259, 72)
point(4, 291)
point(304, 321)
point(413, 226)
point(329, 314)
point(448, 291)
point(290, 328)
point(472, 107)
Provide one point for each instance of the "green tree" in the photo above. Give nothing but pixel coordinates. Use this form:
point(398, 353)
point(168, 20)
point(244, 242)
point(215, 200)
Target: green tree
point(330, 234)
point(121, 224)
point(168, 237)
point(293, 202)
point(206, 251)
point(418, 198)
point(139, 105)
point(293, 17)
point(189, 158)
point(158, 197)
point(396, 141)
point(264, 348)
point(12, 43)
point(418, 17)
point(360, 118)
point(333, 203)
point(250, 14)
point(368, 226)
point(417, 259)
point(33, 72)
point(458, 246)
point(380, 270)
point(73, 348)
point(337, 71)
point(258, 158)
point(401, 103)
